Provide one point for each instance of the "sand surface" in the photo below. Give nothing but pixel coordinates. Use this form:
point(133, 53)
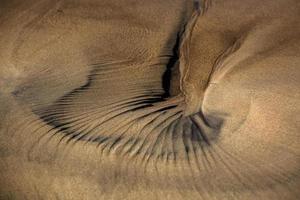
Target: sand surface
point(138, 99)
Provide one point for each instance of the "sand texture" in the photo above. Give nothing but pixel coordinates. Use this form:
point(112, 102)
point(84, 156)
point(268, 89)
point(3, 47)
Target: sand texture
point(149, 99)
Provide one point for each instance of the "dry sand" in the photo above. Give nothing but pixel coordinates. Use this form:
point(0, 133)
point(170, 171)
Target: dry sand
point(138, 99)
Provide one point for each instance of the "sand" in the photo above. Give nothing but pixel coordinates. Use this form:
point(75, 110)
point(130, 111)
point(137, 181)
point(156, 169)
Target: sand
point(149, 99)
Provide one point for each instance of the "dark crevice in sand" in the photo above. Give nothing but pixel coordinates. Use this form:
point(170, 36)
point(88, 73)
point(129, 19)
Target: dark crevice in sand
point(167, 76)
point(171, 77)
